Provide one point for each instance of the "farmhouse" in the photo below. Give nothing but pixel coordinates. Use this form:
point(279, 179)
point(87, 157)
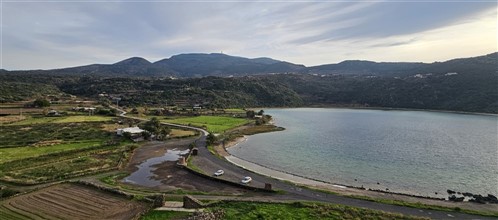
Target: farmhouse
point(134, 131)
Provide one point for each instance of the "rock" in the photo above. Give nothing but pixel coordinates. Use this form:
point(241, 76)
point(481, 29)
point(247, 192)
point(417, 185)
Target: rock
point(467, 194)
point(492, 197)
point(455, 199)
point(450, 191)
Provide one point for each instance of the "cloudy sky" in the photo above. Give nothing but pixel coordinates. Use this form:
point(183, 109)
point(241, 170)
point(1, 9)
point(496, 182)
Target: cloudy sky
point(55, 34)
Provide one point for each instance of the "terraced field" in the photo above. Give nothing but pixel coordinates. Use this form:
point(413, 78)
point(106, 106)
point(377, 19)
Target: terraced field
point(70, 201)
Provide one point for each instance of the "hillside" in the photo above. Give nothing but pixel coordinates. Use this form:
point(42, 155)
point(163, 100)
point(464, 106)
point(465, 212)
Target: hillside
point(467, 84)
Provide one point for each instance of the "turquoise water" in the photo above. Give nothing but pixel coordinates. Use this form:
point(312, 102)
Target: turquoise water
point(411, 152)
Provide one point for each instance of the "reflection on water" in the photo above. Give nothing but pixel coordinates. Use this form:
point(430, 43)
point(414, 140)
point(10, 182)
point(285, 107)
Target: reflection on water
point(144, 176)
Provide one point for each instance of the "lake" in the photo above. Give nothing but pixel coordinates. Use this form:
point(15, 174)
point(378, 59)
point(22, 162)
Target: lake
point(414, 152)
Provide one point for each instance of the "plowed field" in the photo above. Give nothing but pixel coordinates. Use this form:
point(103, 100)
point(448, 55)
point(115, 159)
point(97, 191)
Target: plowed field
point(68, 201)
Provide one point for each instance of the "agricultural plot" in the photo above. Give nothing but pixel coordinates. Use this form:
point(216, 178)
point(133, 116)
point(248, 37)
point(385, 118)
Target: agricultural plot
point(70, 201)
point(48, 151)
point(63, 119)
point(214, 124)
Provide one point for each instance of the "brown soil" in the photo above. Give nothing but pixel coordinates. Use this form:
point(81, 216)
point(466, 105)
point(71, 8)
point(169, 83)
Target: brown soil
point(47, 143)
point(69, 201)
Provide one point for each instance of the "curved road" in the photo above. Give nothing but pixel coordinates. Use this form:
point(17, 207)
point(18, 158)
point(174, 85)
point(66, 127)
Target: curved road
point(299, 193)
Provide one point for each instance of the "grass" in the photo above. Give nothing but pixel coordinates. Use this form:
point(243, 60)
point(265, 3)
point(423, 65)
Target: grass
point(214, 124)
point(57, 148)
point(112, 179)
point(251, 130)
point(178, 133)
point(160, 215)
point(425, 206)
point(65, 119)
point(299, 210)
point(10, 154)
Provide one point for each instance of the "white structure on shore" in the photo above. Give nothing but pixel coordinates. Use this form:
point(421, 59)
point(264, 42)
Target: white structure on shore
point(131, 130)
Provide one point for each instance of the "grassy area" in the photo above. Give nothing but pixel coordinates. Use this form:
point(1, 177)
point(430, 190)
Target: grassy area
point(297, 210)
point(425, 206)
point(214, 124)
point(10, 154)
point(178, 133)
point(112, 179)
point(260, 129)
point(160, 215)
point(55, 148)
point(31, 120)
point(300, 210)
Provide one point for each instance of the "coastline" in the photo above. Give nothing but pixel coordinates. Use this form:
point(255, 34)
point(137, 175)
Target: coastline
point(385, 109)
point(344, 189)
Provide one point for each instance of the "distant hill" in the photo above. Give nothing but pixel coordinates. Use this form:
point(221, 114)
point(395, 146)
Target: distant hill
point(222, 65)
point(217, 64)
point(360, 67)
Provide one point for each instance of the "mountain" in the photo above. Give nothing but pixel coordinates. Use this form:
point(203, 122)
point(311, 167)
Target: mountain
point(360, 67)
point(466, 84)
point(217, 64)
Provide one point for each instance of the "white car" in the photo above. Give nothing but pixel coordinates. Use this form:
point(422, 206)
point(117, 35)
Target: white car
point(219, 173)
point(246, 180)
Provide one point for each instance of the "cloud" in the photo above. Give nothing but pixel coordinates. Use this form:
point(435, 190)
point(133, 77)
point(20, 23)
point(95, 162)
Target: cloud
point(59, 34)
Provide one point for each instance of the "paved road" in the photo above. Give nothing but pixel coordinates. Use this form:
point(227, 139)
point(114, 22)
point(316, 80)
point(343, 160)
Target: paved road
point(299, 193)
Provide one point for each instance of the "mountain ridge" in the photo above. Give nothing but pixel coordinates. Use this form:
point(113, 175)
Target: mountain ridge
point(223, 65)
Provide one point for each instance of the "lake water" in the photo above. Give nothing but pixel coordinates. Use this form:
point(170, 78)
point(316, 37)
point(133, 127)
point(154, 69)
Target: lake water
point(413, 152)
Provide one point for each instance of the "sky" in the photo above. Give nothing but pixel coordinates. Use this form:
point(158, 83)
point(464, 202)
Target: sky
point(56, 34)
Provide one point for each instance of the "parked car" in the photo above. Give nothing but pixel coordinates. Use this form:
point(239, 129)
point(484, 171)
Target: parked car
point(219, 173)
point(246, 180)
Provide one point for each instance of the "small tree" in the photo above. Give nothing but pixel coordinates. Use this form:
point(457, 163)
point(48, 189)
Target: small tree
point(153, 126)
point(163, 132)
point(38, 103)
point(146, 135)
point(210, 139)
point(250, 114)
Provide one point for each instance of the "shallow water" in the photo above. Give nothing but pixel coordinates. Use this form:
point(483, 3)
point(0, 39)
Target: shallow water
point(144, 176)
point(411, 152)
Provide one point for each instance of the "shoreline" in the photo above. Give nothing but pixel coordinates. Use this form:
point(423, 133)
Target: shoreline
point(344, 190)
point(301, 180)
point(384, 109)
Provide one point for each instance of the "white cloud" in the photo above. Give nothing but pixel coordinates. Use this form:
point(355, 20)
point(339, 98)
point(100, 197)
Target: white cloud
point(54, 35)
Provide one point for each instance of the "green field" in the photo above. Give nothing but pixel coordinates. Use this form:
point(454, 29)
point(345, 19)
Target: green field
point(54, 148)
point(10, 154)
point(297, 210)
point(159, 215)
point(64, 119)
point(214, 124)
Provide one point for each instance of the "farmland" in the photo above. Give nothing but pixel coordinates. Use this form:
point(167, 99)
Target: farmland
point(41, 149)
point(69, 201)
point(214, 124)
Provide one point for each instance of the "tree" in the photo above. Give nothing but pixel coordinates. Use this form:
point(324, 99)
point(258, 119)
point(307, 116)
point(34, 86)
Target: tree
point(163, 132)
point(38, 103)
point(146, 135)
point(153, 126)
point(210, 139)
point(250, 114)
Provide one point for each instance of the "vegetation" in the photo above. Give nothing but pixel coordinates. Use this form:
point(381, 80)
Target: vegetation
point(299, 210)
point(50, 150)
point(214, 124)
point(160, 215)
point(425, 206)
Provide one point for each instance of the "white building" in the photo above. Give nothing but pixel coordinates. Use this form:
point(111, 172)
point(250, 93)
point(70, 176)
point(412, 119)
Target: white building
point(131, 130)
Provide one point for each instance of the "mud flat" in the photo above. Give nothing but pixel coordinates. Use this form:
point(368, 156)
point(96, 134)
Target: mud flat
point(70, 201)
